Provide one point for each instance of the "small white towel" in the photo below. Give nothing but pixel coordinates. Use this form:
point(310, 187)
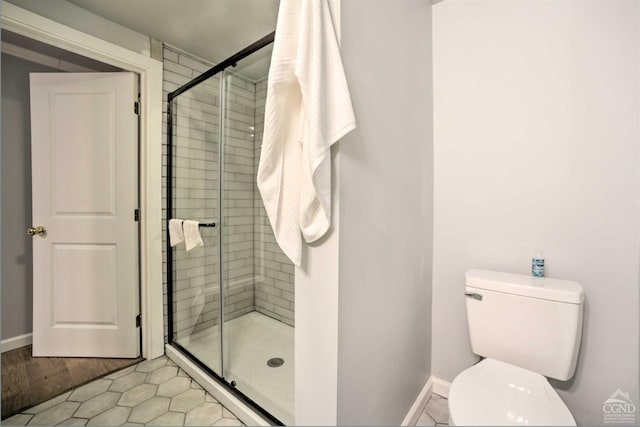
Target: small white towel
point(308, 108)
point(192, 238)
point(176, 236)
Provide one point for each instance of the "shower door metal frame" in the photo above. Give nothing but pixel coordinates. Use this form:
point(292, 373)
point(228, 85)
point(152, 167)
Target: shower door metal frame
point(219, 68)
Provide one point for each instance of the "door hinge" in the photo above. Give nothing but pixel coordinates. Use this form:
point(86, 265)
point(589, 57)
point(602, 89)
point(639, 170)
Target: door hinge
point(473, 295)
point(136, 215)
point(138, 321)
point(136, 108)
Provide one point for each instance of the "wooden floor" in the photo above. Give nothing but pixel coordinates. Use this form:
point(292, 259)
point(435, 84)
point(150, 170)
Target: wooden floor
point(27, 381)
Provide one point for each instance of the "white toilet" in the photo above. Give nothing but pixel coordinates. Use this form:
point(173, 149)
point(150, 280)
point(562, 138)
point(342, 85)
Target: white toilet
point(526, 328)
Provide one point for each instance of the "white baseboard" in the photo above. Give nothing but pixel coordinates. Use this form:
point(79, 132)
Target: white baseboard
point(16, 342)
point(441, 387)
point(418, 406)
point(228, 400)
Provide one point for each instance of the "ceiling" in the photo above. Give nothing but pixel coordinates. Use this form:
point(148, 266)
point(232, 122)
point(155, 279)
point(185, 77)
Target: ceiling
point(210, 29)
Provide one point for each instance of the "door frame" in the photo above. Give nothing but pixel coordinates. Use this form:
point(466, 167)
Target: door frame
point(34, 26)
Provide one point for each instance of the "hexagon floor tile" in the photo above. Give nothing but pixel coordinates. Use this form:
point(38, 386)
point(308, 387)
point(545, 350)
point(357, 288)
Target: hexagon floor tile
point(128, 381)
point(204, 414)
point(153, 392)
point(174, 386)
point(55, 414)
point(97, 405)
point(138, 395)
point(162, 374)
point(436, 413)
point(187, 400)
point(86, 392)
point(150, 409)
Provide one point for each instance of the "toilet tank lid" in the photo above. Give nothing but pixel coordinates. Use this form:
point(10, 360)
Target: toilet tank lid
point(525, 285)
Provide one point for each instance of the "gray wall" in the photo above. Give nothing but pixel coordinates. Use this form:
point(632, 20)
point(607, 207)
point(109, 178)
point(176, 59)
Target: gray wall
point(386, 181)
point(537, 143)
point(17, 279)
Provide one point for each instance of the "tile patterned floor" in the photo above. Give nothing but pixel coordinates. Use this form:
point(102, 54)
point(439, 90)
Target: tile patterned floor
point(436, 413)
point(154, 392)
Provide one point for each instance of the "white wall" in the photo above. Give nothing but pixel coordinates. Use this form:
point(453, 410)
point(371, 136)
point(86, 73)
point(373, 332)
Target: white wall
point(316, 316)
point(536, 112)
point(76, 17)
point(386, 182)
point(316, 313)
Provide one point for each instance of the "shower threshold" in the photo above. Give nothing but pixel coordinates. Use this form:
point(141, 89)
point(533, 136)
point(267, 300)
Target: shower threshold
point(252, 340)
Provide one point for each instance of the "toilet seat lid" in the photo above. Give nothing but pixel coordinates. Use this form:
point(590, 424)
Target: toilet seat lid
point(497, 393)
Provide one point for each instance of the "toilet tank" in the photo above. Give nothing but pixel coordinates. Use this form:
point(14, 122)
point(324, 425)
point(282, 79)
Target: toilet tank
point(531, 322)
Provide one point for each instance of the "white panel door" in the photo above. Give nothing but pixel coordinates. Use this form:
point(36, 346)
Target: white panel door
point(84, 149)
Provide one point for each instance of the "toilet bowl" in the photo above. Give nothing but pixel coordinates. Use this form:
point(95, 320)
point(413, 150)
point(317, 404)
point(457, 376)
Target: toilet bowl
point(526, 329)
point(499, 394)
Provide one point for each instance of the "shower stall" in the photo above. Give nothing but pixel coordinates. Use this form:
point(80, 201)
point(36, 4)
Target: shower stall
point(230, 303)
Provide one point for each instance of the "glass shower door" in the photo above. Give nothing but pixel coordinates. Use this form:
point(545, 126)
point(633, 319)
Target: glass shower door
point(257, 284)
point(196, 284)
point(231, 302)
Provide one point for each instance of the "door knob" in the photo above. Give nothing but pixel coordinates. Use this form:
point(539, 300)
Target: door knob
point(33, 231)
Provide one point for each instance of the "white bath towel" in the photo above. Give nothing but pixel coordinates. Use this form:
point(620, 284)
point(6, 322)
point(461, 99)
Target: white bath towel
point(308, 108)
point(176, 235)
point(192, 238)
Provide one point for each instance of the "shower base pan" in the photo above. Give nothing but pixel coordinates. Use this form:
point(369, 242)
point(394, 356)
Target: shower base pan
point(252, 343)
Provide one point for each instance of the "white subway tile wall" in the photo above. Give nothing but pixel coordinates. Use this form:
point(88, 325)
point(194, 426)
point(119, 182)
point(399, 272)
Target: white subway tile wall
point(258, 275)
point(274, 289)
point(237, 229)
point(195, 182)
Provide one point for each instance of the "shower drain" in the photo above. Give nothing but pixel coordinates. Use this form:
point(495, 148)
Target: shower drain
point(275, 362)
